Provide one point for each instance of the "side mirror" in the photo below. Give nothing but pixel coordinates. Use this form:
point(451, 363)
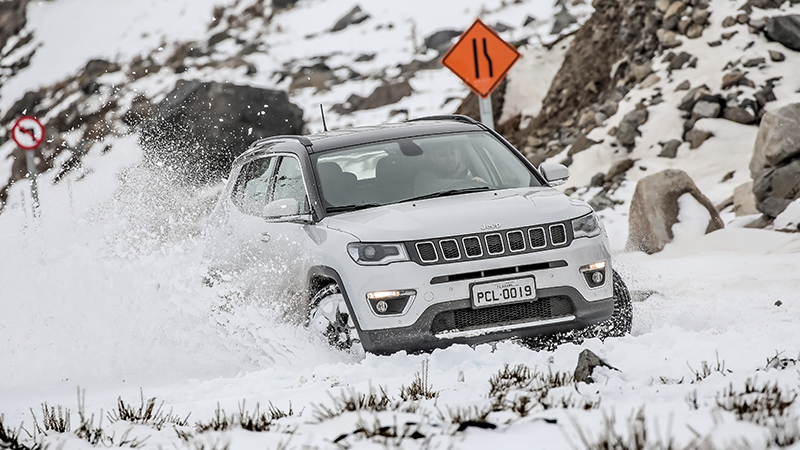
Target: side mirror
point(281, 208)
point(555, 174)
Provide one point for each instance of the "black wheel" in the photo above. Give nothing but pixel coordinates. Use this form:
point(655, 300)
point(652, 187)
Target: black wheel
point(328, 315)
point(620, 322)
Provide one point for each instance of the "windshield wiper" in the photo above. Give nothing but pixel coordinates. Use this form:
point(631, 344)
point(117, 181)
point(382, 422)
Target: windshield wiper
point(449, 193)
point(346, 208)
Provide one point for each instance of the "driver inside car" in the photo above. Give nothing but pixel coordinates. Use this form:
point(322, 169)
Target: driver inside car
point(446, 169)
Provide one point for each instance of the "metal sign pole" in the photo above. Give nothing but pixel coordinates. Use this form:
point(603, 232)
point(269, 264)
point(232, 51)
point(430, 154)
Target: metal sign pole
point(32, 177)
point(486, 111)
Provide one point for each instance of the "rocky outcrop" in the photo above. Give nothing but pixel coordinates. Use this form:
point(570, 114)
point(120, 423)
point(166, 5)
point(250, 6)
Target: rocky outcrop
point(785, 30)
point(654, 210)
point(12, 19)
point(355, 16)
point(199, 127)
point(385, 94)
point(775, 165)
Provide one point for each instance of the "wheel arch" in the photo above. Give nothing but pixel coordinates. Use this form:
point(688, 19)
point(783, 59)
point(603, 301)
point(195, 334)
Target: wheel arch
point(321, 276)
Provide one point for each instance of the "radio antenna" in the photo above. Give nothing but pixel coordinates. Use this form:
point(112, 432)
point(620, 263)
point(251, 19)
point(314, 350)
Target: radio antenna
point(321, 111)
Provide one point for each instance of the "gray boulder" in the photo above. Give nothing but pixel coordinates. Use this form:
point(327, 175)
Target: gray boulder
point(587, 362)
point(744, 202)
point(441, 39)
point(785, 30)
point(629, 127)
point(706, 109)
point(199, 128)
point(654, 210)
point(563, 19)
point(12, 19)
point(355, 16)
point(778, 138)
point(776, 187)
point(385, 94)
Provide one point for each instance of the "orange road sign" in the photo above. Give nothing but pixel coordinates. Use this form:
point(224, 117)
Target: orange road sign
point(481, 58)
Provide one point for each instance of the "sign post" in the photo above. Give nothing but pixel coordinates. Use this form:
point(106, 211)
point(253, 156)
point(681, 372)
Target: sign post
point(482, 59)
point(28, 133)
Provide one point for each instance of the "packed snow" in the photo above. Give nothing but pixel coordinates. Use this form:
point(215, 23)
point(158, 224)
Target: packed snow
point(105, 296)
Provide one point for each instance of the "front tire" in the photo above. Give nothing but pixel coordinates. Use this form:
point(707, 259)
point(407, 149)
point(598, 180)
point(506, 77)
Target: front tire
point(621, 320)
point(328, 316)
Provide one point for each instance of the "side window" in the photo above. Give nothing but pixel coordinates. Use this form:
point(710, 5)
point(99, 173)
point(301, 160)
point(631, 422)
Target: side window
point(251, 191)
point(289, 184)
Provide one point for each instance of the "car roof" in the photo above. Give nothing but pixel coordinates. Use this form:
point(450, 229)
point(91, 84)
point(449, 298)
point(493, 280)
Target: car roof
point(335, 139)
point(347, 137)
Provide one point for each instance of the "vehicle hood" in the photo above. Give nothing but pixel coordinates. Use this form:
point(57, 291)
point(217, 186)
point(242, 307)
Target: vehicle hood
point(459, 214)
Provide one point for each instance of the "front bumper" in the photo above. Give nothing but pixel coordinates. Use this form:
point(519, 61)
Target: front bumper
point(574, 312)
point(441, 313)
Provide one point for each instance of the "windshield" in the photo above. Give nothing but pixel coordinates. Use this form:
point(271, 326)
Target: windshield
point(415, 168)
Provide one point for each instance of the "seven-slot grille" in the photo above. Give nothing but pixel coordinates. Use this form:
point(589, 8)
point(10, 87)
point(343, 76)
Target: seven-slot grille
point(491, 244)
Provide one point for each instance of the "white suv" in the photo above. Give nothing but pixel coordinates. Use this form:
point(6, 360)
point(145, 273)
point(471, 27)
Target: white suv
point(418, 235)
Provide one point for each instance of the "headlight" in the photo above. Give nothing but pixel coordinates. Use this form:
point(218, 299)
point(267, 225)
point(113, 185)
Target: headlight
point(586, 226)
point(377, 254)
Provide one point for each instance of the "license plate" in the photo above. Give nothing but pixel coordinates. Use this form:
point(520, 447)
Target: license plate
point(506, 291)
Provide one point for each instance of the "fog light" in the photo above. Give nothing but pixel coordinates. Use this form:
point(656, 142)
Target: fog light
point(597, 277)
point(595, 274)
point(390, 302)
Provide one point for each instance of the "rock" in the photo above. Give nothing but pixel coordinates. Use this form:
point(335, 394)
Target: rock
point(739, 115)
point(778, 139)
point(691, 97)
point(649, 81)
point(609, 108)
point(218, 37)
point(671, 23)
point(641, 71)
point(619, 168)
point(773, 206)
point(675, 8)
point(668, 39)
point(355, 16)
point(563, 19)
point(283, 4)
point(734, 78)
point(742, 18)
point(598, 180)
point(716, 43)
point(757, 25)
point(728, 22)
point(678, 62)
point(581, 144)
point(319, 76)
point(587, 362)
point(200, 127)
point(23, 106)
point(696, 137)
point(700, 16)
point(765, 4)
point(601, 201)
point(12, 19)
point(776, 187)
point(776, 56)
point(727, 36)
point(755, 62)
point(96, 68)
point(765, 95)
point(705, 109)
point(683, 86)
point(441, 39)
point(744, 202)
point(694, 31)
point(785, 30)
point(629, 127)
point(669, 149)
point(500, 27)
point(383, 95)
point(683, 25)
point(654, 209)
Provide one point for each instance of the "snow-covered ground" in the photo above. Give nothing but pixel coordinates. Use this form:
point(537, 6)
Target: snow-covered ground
point(105, 294)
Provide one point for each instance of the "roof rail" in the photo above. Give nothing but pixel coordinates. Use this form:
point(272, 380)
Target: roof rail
point(306, 142)
point(452, 117)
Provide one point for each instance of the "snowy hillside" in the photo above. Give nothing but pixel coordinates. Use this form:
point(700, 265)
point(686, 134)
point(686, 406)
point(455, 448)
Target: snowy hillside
point(104, 296)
